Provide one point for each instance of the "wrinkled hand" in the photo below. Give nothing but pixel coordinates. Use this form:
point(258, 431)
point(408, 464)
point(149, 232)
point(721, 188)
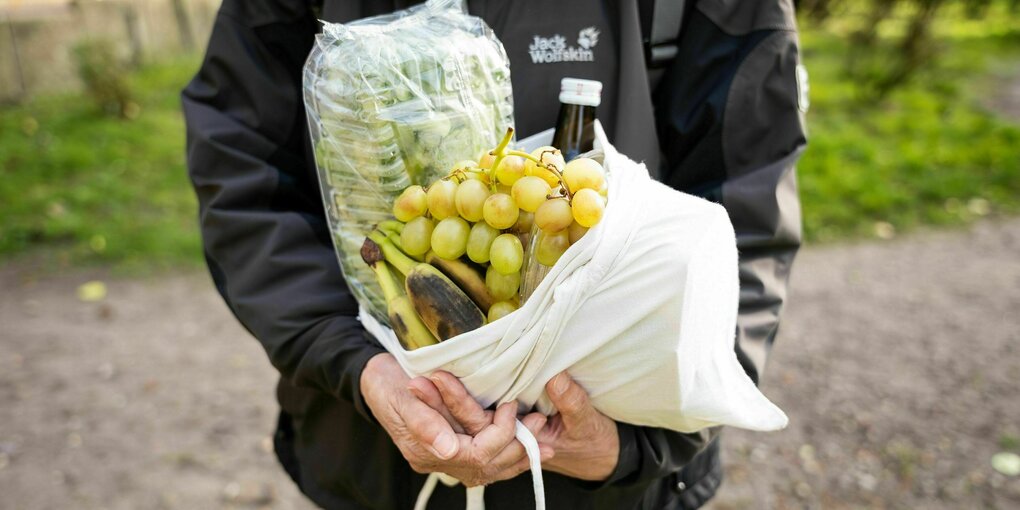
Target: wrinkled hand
point(585, 441)
point(426, 438)
point(445, 394)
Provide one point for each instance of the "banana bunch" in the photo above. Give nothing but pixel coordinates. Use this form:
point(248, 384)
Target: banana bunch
point(429, 306)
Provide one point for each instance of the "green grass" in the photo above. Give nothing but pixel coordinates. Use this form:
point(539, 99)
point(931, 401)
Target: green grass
point(930, 154)
point(79, 188)
point(83, 189)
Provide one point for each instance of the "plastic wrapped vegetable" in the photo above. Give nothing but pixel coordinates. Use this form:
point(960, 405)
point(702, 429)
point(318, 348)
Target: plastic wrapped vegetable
point(396, 100)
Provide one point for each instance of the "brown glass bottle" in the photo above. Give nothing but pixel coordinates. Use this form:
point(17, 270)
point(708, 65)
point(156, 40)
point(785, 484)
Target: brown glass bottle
point(575, 127)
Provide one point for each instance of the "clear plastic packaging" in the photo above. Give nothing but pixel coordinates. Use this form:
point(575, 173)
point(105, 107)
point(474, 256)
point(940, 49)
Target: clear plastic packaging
point(396, 100)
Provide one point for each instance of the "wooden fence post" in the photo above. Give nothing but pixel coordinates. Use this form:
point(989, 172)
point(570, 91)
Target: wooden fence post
point(133, 32)
point(183, 25)
point(17, 58)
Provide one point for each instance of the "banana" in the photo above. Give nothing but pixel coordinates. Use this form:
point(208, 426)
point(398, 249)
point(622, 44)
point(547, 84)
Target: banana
point(388, 226)
point(410, 329)
point(466, 277)
point(444, 308)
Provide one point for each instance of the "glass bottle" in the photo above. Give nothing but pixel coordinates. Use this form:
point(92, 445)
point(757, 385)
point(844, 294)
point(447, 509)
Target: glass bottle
point(574, 135)
point(575, 127)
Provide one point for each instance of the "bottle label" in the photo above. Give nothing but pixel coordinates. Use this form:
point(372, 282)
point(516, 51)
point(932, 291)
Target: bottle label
point(553, 49)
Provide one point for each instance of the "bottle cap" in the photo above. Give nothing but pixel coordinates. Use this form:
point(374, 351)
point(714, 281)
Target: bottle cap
point(580, 92)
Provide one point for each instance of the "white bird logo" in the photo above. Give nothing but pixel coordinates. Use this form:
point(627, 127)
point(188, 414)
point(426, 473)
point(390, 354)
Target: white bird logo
point(588, 37)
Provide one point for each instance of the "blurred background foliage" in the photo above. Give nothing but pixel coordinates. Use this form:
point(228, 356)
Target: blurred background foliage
point(85, 183)
point(907, 129)
point(104, 77)
point(908, 120)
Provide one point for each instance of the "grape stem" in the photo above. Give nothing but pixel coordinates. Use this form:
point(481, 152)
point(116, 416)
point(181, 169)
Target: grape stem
point(552, 168)
point(505, 142)
point(459, 175)
point(525, 155)
point(501, 151)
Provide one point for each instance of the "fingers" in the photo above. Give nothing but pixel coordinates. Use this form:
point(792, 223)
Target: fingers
point(430, 429)
point(493, 439)
point(507, 462)
point(515, 450)
point(534, 422)
point(546, 453)
point(492, 454)
point(461, 404)
point(427, 393)
point(569, 398)
point(524, 464)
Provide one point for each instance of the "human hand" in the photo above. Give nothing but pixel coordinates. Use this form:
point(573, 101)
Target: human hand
point(445, 393)
point(585, 441)
point(425, 437)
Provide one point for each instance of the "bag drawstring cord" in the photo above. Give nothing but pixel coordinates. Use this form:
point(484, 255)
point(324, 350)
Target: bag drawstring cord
point(476, 495)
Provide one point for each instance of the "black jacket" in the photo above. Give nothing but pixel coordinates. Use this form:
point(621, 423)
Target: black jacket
point(723, 122)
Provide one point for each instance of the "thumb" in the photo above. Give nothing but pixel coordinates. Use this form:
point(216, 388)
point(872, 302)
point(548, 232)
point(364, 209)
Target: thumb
point(570, 400)
point(429, 428)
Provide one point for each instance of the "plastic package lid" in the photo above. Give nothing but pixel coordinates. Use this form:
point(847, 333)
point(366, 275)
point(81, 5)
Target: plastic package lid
point(582, 92)
point(395, 21)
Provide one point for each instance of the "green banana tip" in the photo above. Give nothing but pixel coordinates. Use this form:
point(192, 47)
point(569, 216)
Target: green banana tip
point(378, 236)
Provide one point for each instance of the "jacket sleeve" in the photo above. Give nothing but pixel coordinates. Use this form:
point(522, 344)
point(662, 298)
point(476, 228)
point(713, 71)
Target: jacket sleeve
point(264, 232)
point(730, 124)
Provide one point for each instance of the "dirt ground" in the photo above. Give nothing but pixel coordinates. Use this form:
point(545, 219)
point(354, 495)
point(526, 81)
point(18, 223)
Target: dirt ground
point(898, 364)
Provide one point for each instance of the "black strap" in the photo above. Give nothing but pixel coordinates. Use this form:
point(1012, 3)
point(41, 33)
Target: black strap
point(660, 27)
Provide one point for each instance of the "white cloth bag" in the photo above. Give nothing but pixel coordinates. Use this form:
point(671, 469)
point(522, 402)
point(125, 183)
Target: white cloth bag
point(641, 312)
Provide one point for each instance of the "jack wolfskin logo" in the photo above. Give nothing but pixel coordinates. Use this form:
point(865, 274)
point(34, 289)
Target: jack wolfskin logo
point(588, 37)
point(549, 50)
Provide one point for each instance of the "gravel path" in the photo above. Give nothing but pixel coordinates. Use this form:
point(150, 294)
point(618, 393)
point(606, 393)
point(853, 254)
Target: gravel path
point(897, 363)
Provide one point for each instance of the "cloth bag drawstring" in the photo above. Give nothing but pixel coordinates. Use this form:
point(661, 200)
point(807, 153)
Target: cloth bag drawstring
point(476, 495)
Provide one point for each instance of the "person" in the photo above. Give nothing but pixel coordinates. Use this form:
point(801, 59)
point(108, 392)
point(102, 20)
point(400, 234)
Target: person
point(717, 111)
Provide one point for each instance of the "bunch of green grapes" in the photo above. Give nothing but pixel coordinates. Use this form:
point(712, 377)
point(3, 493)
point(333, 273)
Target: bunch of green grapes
point(484, 210)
